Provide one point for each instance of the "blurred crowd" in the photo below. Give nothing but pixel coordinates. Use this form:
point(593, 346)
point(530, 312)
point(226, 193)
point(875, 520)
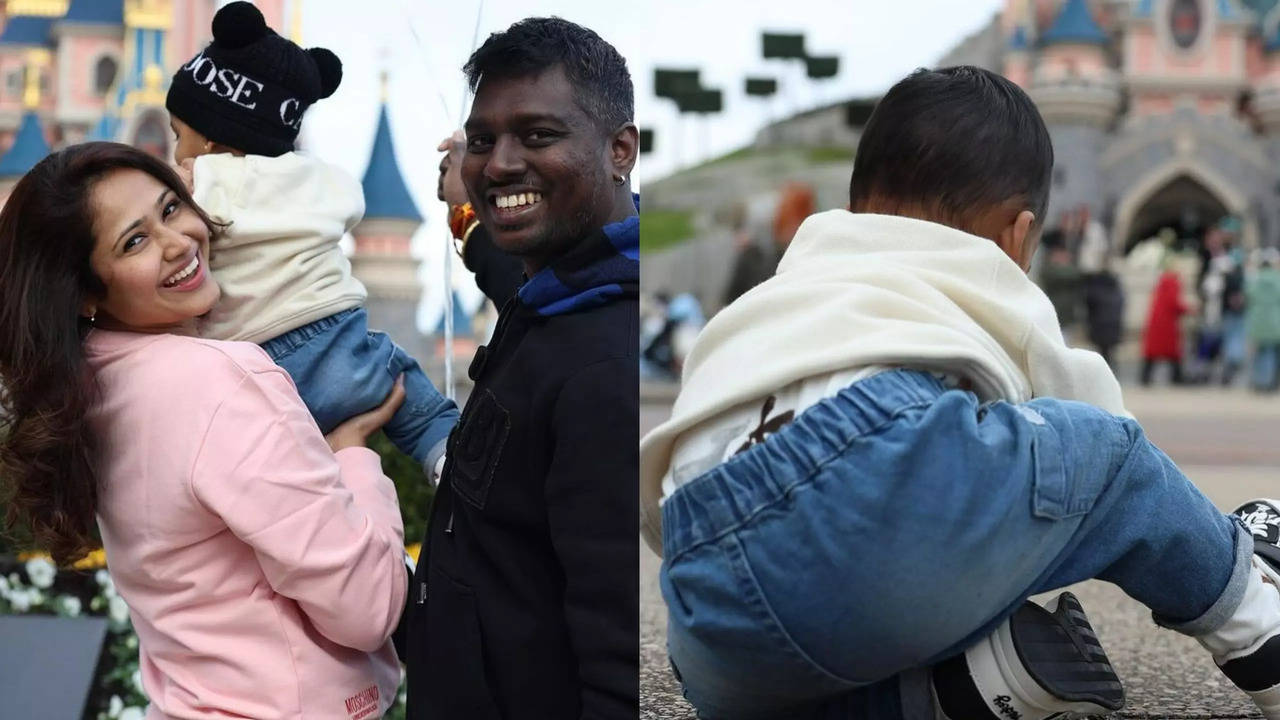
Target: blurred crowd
point(1205, 310)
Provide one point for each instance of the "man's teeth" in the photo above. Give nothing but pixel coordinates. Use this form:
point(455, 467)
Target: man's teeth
point(510, 201)
point(184, 273)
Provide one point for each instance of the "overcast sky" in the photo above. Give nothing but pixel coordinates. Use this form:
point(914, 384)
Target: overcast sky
point(877, 42)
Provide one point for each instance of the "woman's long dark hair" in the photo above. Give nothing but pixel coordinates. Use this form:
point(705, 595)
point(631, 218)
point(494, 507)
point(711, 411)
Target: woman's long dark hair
point(47, 452)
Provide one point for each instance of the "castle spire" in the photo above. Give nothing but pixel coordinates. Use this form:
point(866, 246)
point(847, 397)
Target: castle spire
point(1074, 25)
point(29, 147)
point(385, 192)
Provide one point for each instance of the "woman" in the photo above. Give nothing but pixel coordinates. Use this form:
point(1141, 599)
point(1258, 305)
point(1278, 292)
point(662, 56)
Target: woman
point(263, 567)
point(1163, 337)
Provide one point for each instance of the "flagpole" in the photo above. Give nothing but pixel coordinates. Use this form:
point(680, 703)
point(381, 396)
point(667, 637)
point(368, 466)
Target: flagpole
point(449, 385)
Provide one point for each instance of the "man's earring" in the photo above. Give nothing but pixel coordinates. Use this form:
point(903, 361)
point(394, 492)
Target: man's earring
point(619, 179)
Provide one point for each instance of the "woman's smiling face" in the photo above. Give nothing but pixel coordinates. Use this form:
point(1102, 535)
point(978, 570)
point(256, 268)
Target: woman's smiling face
point(151, 252)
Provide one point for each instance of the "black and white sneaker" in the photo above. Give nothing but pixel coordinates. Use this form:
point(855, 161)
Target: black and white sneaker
point(1044, 662)
point(1262, 517)
point(1247, 647)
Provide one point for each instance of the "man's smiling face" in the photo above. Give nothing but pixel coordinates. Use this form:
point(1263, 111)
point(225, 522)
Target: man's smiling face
point(537, 167)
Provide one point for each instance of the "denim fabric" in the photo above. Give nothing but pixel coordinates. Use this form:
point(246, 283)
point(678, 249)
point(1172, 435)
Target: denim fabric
point(1264, 367)
point(895, 524)
point(341, 369)
point(1233, 338)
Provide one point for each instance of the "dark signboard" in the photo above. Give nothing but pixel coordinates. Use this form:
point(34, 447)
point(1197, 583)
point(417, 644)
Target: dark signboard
point(783, 45)
point(646, 141)
point(858, 112)
point(761, 87)
point(822, 67)
point(47, 664)
point(702, 101)
point(669, 83)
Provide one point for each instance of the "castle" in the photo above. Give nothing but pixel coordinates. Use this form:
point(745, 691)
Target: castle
point(78, 70)
point(1163, 113)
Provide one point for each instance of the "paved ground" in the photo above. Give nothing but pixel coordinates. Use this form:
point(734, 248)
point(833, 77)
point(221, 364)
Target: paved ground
point(1228, 442)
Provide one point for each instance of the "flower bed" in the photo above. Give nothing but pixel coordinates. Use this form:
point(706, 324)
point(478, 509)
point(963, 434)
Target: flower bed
point(33, 586)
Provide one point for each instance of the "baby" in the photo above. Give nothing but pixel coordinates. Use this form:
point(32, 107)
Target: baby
point(236, 108)
point(875, 460)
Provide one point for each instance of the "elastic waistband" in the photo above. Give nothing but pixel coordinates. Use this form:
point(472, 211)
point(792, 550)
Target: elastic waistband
point(734, 491)
point(280, 346)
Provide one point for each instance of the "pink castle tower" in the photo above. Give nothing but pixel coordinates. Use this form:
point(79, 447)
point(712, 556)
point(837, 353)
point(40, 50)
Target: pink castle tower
point(1078, 94)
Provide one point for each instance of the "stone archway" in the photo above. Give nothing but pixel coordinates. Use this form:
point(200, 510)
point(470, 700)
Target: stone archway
point(1179, 182)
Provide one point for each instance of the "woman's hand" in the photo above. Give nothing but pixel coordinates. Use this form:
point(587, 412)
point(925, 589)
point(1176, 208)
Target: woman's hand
point(355, 431)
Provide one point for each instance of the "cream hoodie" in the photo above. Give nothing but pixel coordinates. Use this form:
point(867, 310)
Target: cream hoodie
point(855, 290)
point(278, 263)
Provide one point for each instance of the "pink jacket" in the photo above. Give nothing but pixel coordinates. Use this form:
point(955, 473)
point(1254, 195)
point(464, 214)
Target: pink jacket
point(264, 573)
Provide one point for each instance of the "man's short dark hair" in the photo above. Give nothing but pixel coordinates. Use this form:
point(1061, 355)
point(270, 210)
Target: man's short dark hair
point(954, 142)
point(601, 82)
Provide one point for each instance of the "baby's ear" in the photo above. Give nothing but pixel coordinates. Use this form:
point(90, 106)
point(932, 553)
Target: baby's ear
point(330, 68)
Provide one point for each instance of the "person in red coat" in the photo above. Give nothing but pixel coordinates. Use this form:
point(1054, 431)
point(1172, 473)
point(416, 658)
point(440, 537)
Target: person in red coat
point(1163, 337)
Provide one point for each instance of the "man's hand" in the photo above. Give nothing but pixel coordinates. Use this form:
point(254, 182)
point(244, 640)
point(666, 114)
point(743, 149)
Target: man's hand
point(450, 188)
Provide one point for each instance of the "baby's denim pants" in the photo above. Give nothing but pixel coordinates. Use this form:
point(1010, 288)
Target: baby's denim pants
point(342, 369)
point(820, 573)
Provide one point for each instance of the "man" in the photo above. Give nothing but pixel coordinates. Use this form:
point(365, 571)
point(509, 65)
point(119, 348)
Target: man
point(524, 602)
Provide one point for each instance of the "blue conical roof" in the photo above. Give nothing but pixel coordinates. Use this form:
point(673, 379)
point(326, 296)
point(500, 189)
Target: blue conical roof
point(385, 194)
point(461, 319)
point(1074, 24)
point(1018, 41)
point(27, 30)
point(97, 12)
point(29, 148)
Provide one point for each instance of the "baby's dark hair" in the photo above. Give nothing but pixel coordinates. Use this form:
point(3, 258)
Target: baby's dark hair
point(955, 143)
point(598, 73)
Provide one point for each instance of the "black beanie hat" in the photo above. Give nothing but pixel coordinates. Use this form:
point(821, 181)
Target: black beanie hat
point(249, 88)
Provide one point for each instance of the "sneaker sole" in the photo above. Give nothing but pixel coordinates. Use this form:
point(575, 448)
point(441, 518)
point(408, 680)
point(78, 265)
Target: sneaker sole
point(1063, 659)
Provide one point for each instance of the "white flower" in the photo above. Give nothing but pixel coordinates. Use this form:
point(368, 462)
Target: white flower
point(105, 582)
point(69, 605)
point(4, 587)
point(115, 706)
point(42, 572)
point(20, 600)
point(35, 597)
point(132, 713)
point(118, 610)
point(13, 579)
point(137, 683)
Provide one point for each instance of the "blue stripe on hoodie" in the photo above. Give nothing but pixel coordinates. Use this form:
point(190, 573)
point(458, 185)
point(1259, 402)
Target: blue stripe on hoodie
point(602, 268)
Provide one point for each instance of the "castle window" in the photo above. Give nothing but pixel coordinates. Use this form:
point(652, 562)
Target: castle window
point(104, 74)
point(13, 83)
